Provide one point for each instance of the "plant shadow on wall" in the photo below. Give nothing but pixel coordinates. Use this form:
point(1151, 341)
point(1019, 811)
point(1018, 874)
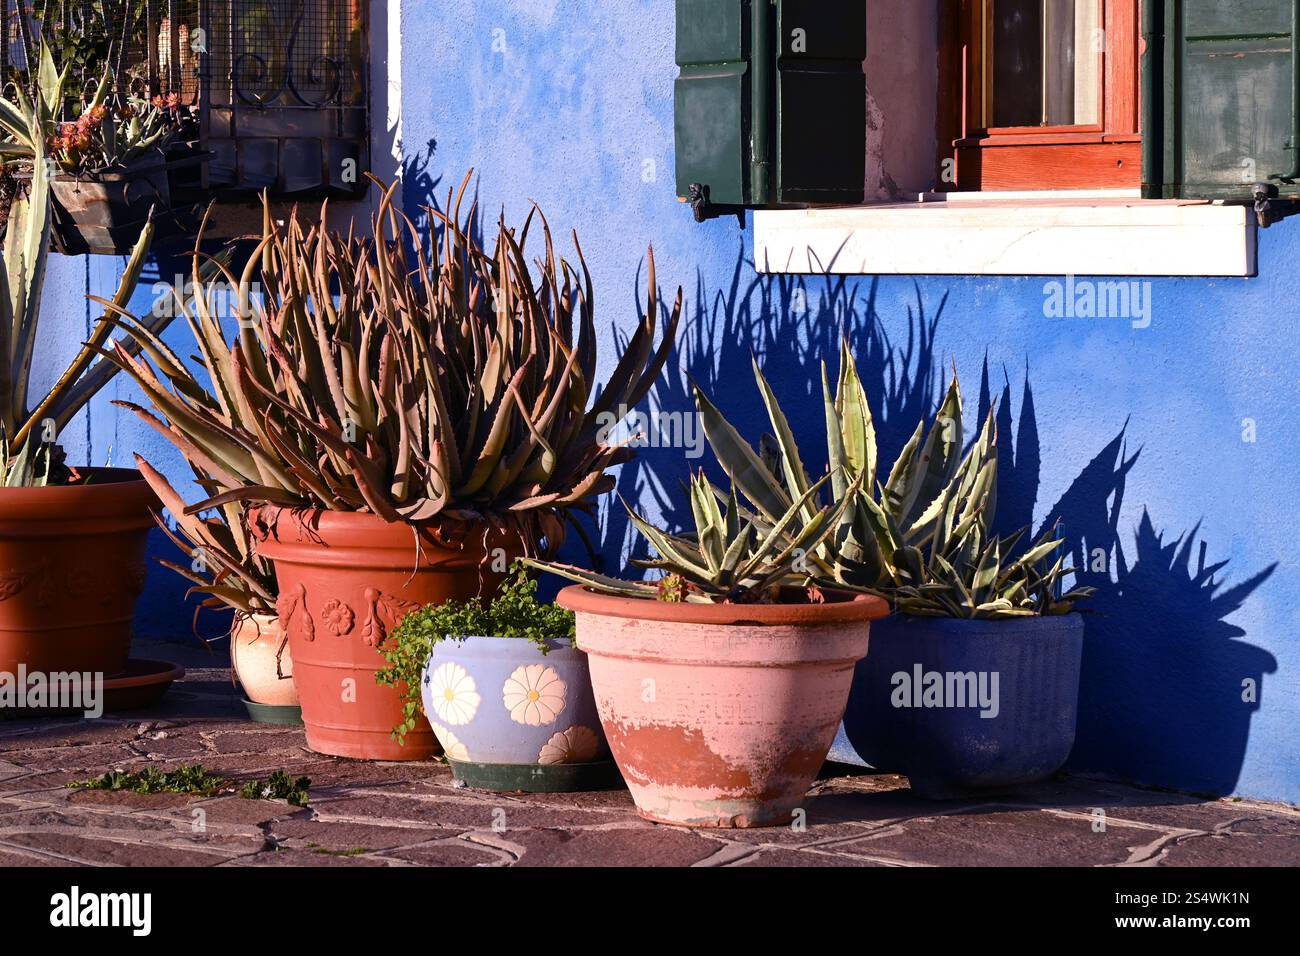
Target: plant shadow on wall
point(1168, 686)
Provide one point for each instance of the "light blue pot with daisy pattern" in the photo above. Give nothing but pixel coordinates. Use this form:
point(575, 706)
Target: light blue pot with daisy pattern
point(511, 718)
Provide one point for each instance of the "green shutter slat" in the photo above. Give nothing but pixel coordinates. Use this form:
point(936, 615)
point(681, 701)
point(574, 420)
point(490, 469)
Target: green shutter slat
point(1230, 117)
point(770, 101)
point(712, 99)
point(821, 101)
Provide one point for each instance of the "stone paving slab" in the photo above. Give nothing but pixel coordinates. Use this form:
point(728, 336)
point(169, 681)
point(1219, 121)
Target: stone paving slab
point(413, 814)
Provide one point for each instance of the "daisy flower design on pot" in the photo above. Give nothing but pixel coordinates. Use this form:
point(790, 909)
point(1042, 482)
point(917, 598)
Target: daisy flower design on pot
point(534, 695)
point(575, 745)
point(451, 744)
point(452, 694)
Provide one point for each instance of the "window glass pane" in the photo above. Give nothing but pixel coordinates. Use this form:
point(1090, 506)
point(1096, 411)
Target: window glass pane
point(1044, 62)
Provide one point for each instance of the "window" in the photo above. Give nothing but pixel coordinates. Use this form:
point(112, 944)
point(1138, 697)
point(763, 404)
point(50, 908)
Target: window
point(1091, 106)
point(1042, 94)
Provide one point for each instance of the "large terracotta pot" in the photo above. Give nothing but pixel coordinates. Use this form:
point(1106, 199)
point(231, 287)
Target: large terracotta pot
point(72, 564)
point(262, 661)
point(345, 580)
point(720, 715)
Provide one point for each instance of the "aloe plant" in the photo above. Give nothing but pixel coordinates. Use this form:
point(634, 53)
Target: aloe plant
point(729, 558)
point(454, 388)
point(29, 450)
point(923, 539)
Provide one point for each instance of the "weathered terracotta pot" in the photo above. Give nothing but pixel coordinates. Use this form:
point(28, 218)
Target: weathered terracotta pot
point(262, 661)
point(345, 580)
point(720, 715)
point(72, 563)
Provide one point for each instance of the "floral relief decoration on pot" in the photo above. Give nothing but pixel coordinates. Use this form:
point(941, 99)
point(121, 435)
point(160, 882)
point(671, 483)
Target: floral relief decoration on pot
point(374, 631)
point(453, 694)
point(575, 745)
point(534, 695)
point(337, 617)
point(12, 584)
point(288, 607)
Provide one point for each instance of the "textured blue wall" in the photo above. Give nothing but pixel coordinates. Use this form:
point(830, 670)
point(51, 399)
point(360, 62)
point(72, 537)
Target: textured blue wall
point(1132, 436)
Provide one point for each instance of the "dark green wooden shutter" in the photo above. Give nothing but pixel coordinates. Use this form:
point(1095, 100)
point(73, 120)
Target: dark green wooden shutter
point(771, 101)
point(1219, 98)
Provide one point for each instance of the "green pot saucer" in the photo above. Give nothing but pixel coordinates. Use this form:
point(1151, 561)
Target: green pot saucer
point(287, 714)
point(538, 778)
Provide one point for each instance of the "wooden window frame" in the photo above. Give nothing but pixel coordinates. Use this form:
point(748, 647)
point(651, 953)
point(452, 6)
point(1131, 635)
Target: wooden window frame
point(1107, 155)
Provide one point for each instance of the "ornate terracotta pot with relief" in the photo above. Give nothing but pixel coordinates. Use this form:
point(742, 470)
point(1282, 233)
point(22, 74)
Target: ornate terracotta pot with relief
point(345, 580)
point(72, 564)
point(720, 715)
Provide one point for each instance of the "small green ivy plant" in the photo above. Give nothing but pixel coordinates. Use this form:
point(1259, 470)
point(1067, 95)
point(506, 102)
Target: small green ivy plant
point(196, 781)
point(514, 613)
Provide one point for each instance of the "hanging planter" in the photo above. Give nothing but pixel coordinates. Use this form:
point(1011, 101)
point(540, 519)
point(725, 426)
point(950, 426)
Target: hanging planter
point(102, 213)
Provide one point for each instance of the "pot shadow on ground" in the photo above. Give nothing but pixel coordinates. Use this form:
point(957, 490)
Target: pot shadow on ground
point(1164, 689)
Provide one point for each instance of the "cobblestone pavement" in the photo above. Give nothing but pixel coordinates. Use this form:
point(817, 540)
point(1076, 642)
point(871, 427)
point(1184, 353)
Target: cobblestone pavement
point(393, 814)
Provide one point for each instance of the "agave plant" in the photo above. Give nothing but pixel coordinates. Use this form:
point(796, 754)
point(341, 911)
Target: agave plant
point(29, 451)
point(728, 558)
point(922, 540)
point(971, 575)
point(880, 516)
point(451, 389)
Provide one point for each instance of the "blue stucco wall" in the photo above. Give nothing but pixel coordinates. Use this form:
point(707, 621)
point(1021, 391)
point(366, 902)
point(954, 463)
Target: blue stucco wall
point(1133, 437)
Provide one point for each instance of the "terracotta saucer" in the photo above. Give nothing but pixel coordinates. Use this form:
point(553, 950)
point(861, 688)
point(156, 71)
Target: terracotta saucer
point(141, 683)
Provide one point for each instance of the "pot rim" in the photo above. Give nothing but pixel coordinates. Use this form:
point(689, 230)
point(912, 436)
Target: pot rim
point(862, 607)
point(517, 648)
point(317, 519)
point(981, 627)
point(118, 478)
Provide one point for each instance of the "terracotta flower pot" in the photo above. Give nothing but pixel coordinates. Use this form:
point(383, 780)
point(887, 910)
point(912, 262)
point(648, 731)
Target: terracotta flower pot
point(265, 671)
point(72, 564)
point(720, 715)
point(345, 581)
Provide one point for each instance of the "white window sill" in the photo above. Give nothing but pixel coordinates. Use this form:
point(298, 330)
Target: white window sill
point(987, 234)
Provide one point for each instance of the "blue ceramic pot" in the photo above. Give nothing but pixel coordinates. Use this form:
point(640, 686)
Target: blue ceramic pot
point(512, 718)
point(962, 707)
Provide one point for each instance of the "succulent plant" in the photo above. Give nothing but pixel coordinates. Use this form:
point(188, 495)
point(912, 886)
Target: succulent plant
point(454, 388)
point(29, 452)
point(923, 539)
point(972, 575)
point(879, 517)
point(728, 558)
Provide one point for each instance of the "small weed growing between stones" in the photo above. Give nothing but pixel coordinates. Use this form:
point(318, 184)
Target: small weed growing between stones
point(354, 851)
point(279, 786)
point(196, 781)
point(192, 780)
